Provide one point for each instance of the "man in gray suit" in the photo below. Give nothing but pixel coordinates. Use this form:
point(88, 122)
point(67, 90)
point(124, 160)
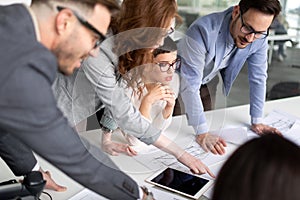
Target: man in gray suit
point(33, 42)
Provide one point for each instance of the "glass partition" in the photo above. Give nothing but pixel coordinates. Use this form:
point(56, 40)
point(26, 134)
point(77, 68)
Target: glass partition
point(284, 71)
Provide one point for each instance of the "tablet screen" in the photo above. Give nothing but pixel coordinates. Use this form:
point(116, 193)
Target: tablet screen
point(180, 181)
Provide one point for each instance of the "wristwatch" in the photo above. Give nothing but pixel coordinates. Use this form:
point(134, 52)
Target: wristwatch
point(149, 194)
point(107, 124)
point(105, 129)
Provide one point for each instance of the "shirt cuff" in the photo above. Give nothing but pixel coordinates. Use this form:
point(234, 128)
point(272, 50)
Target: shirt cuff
point(146, 119)
point(108, 122)
point(256, 120)
point(141, 193)
point(36, 167)
point(200, 129)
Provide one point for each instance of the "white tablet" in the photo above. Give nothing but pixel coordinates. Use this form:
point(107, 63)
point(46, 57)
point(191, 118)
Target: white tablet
point(180, 182)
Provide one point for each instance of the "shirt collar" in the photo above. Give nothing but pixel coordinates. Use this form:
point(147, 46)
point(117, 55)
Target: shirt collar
point(229, 39)
point(35, 23)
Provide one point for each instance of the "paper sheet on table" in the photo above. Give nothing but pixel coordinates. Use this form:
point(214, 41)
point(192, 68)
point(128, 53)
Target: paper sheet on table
point(87, 194)
point(293, 133)
point(280, 120)
point(161, 159)
point(209, 193)
point(236, 135)
point(161, 194)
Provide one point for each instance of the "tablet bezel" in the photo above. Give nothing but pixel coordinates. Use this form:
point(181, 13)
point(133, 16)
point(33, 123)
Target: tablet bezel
point(196, 196)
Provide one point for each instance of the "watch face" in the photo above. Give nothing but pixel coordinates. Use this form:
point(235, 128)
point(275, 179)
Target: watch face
point(106, 130)
point(108, 122)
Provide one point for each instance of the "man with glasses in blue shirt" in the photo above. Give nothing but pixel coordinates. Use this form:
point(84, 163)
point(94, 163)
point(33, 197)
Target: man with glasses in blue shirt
point(223, 42)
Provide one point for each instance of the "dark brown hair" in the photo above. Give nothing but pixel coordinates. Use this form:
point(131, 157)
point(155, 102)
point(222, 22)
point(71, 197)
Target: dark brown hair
point(111, 5)
point(271, 7)
point(263, 168)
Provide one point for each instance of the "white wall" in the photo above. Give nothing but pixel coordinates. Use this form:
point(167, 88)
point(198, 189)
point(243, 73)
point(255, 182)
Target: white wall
point(6, 2)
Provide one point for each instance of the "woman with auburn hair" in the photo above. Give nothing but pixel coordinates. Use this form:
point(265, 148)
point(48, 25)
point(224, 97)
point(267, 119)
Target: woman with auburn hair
point(156, 16)
point(140, 27)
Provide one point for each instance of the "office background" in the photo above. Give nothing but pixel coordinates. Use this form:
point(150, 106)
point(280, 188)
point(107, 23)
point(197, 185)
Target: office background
point(283, 73)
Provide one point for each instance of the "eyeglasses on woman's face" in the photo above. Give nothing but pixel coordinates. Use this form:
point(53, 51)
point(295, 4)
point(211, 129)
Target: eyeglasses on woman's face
point(248, 30)
point(165, 66)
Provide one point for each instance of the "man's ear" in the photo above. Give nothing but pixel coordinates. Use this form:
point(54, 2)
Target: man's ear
point(64, 20)
point(235, 11)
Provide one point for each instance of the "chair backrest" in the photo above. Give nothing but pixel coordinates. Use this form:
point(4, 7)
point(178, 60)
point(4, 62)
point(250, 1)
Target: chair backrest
point(283, 90)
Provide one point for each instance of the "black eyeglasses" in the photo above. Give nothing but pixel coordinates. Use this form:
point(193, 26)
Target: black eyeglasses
point(164, 66)
point(248, 30)
point(169, 32)
point(87, 25)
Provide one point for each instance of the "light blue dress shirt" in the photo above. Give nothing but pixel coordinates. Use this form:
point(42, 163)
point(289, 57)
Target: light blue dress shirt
point(206, 50)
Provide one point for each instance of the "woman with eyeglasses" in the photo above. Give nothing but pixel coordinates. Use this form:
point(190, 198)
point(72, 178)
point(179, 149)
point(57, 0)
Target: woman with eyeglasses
point(140, 27)
point(154, 96)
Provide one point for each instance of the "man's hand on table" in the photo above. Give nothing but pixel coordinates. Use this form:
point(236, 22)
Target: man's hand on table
point(195, 165)
point(211, 143)
point(262, 129)
point(50, 183)
point(114, 148)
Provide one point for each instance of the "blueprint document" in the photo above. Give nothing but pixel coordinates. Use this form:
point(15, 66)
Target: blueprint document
point(160, 159)
point(294, 133)
point(158, 193)
point(287, 124)
point(87, 194)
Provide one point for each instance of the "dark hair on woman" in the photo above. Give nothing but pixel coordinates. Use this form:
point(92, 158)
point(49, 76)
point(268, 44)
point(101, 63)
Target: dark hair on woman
point(271, 7)
point(169, 46)
point(267, 167)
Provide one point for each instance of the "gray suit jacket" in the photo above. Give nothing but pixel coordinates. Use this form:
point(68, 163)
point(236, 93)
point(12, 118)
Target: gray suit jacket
point(16, 155)
point(28, 110)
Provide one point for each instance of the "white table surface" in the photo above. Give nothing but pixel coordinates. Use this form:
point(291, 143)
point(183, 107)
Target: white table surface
point(233, 116)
